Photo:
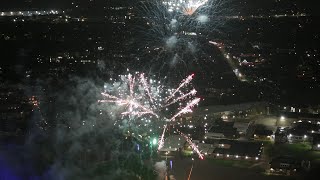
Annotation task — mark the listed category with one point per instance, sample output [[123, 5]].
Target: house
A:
[[242, 127], [205, 149], [222, 129], [281, 135], [262, 134], [304, 117], [239, 150], [302, 131], [297, 136], [284, 164], [316, 142], [224, 143]]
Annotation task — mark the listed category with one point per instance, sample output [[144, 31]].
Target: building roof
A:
[[263, 132], [242, 148], [297, 115], [225, 108], [283, 159]]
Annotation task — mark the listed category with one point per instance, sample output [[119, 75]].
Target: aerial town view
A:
[[159, 90]]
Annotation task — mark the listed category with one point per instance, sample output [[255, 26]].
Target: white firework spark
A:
[[193, 146], [143, 98], [187, 7], [183, 83], [187, 109], [161, 141]]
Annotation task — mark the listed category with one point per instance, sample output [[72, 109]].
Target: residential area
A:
[[249, 136]]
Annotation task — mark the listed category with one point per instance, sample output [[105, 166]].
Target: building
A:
[[206, 149], [14, 110], [227, 112], [222, 129], [302, 131], [297, 136], [261, 133], [238, 150], [296, 116], [284, 164], [316, 142], [281, 135]]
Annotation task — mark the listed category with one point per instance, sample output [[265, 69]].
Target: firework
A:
[[187, 7], [193, 146], [172, 31], [161, 141], [183, 83], [146, 102], [186, 109], [142, 96]]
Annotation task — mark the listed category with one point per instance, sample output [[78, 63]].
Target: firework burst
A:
[[145, 96], [187, 7], [146, 103], [172, 31]]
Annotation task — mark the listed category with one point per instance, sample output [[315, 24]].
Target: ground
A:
[[301, 151]]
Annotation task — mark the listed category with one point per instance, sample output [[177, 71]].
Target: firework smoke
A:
[[161, 169], [173, 30]]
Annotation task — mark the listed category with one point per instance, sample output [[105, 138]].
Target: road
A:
[[233, 63], [272, 122]]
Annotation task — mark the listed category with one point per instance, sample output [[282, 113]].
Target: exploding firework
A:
[[142, 96], [147, 105], [187, 7], [172, 30]]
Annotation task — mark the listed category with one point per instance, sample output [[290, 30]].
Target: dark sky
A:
[[6, 4]]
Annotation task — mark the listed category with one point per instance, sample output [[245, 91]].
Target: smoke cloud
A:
[[161, 169]]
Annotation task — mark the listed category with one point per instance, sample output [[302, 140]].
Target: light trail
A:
[[191, 93], [193, 146], [232, 64], [186, 109], [145, 85], [190, 171], [182, 84], [161, 141]]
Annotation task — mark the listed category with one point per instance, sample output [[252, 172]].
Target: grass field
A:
[[300, 151], [236, 163]]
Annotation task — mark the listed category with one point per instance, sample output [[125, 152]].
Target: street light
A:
[[154, 141], [282, 118]]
